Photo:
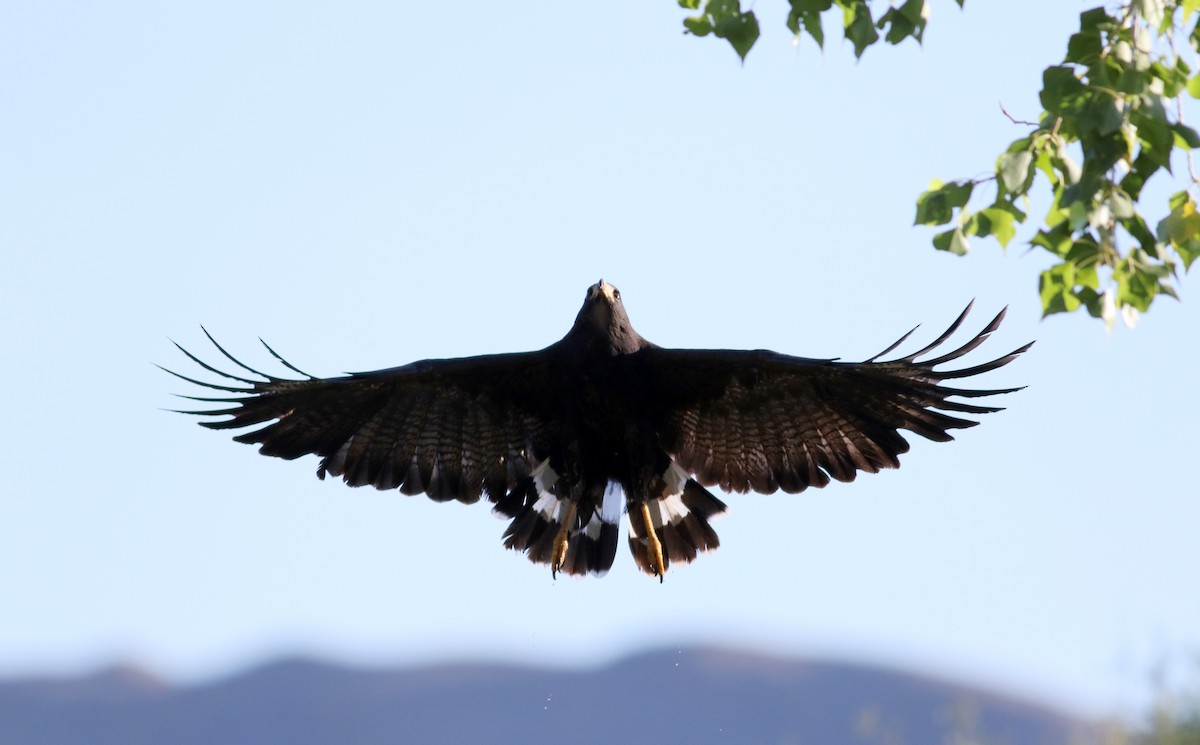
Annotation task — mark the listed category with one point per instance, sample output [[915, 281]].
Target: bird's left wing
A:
[[761, 421], [448, 428]]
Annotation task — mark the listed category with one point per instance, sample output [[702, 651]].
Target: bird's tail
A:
[[573, 535], [678, 510]]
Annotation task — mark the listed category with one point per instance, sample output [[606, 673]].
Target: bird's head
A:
[[603, 319]]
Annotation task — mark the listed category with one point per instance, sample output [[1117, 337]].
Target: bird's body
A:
[[565, 439]]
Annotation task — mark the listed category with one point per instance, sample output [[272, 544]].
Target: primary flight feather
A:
[[566, 439]]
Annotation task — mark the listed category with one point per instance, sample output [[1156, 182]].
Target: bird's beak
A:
[[607, 290]]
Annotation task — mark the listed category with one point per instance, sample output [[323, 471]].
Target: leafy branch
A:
[[725, 19], [1112, 118], [1115, 102]]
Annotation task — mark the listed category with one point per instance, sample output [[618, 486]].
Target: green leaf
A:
[[1093, 300], [1104, 113], [1174, 77], [1084, 256], [996, 222], [1141, 170], [1140, 279], [1056, 240], [1189, 252], [689, 4], [1059, 86], [740, 30], [898, 27], [1079, 214], [1014, 171], [953, 241], [1181, 228], [1136, 226], [1186, 138], [807, 13], [725, 20], [907, 20], [1084, 47], [1017, 213], [1057, 214], [1095, 20], [859, 28], [1155, 133], [936, 206], [1136, 288], [1056, 287], [1193, 87], [916, 11], [698, 25], [1121, 205]]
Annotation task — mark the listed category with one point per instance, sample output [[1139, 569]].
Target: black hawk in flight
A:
[[565, 439]]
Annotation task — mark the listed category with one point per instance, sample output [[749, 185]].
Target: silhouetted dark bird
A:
[[565, 439]]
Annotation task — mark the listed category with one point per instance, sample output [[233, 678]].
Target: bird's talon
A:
[[653, 545], [562, 542]]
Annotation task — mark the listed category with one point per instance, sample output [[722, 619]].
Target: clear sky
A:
[[369, 185]]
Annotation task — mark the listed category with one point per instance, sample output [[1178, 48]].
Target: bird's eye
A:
[[617, 294]]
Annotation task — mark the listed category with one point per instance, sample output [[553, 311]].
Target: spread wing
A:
[[762, 421], [448, 428]]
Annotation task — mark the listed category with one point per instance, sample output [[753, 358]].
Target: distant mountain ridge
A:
[[691, 695]]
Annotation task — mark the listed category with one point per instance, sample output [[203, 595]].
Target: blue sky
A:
[[367, 186]]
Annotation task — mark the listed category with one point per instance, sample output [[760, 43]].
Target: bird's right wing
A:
[[449, 428], [761, 421]]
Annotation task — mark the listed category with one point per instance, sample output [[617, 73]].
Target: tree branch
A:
[[1014, 120]]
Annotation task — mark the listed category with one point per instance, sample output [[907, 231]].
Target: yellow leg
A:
[[560, 540], [653, 545]]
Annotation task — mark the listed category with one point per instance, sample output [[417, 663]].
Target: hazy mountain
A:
[[693, 696]]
